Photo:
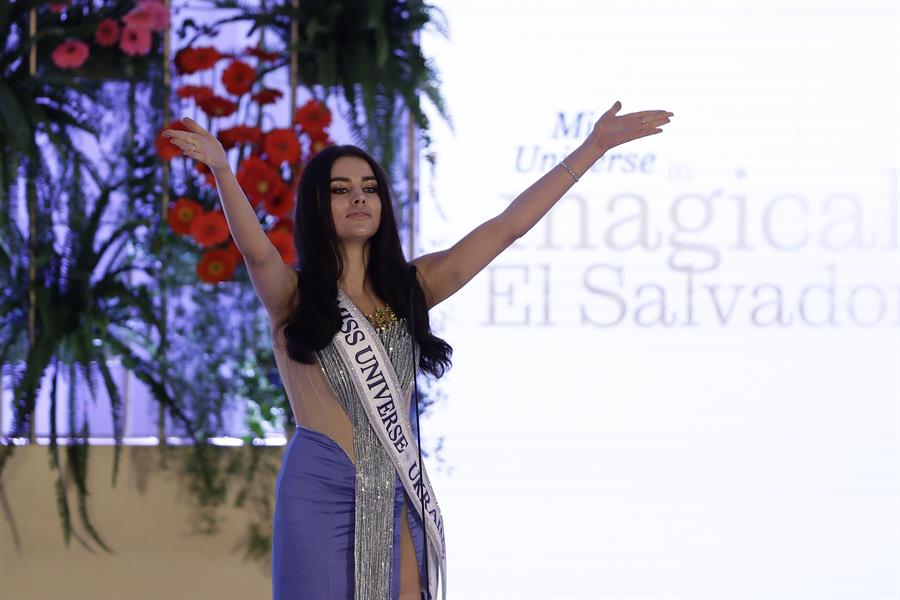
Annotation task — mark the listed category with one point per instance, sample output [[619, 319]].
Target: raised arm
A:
[[443, 273], [274, 281]]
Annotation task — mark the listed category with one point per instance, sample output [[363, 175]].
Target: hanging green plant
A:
[[66, 302], [367, 51]]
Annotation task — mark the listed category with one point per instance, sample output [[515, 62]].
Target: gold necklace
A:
[[382, 318]]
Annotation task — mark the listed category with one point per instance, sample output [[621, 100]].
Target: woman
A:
[[351, 494]]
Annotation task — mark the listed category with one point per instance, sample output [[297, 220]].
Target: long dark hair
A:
[[315, 320]]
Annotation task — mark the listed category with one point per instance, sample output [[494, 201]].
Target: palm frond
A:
[[115, 407], [62, 499], [77, 454]]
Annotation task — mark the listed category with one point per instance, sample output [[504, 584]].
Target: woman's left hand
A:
[[612, 130]]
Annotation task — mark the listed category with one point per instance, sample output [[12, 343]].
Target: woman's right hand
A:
[[199, 144]]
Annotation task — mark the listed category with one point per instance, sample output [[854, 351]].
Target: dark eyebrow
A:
[[366, 178]]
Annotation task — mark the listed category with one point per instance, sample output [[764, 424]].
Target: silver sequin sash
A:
[[381, 395], [375, 474]]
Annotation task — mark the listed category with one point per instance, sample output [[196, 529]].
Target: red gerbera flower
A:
[[191, 60], [107, 32], [215, 266], [139, 18], [313, 116], [182, 214], [197, 92], [319, 136], [71, 54], [238, 78], [216, 106], [266, 96], [210, 228], [135, 42], [262, 54], [284, 243], [281, 145], [282, 201], [233, 253], [239, 134], [164, 147], [258, 179], [151, 15], [318, 142]]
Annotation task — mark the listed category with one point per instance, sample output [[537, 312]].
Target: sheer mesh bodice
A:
[[312, 396]]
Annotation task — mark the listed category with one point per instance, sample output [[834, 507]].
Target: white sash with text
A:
[[379, 390]]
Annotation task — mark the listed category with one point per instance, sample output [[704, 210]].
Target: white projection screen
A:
[[683, 382]]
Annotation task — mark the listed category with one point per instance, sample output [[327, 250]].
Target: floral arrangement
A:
[[90, 56], [133, 33], [230, 91]]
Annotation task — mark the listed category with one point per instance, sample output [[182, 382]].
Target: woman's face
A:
[[355, 204]]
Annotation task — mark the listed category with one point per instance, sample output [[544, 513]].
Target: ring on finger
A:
[[193, 147]]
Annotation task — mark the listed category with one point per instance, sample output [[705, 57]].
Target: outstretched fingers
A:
[[654, 119], [650, 114], [194, 134], [182, 139], [194, 126], [612, 130], [646, 132]]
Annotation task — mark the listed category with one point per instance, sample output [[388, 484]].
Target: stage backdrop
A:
[[683, 382]]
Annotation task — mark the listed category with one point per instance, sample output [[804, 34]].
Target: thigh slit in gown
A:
[[314, 529]]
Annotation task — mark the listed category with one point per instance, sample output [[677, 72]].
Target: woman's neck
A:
[[353, 277]]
